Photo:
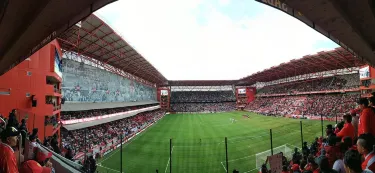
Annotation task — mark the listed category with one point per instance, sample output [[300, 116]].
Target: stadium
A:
[[77, 97]]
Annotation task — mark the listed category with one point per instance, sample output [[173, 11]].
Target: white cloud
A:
[[184, 44]]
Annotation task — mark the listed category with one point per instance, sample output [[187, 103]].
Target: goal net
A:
[[262, 157]]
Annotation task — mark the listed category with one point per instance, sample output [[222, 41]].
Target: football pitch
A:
[[198, 143]]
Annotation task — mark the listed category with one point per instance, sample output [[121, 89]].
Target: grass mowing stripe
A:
[[198, 142]]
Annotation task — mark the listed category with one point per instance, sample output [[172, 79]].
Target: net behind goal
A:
[[262, 157]]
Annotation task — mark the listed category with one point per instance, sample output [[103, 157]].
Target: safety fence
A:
[[244, 153]]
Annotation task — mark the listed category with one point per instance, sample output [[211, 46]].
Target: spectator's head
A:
[[304, 143], [372, 101], [348, 141], [347, 118], [14, 111], [323, 163], [353, 112], [365, 143], [332, 140], [32, 166], [329, 129], [340, 125], [10, 136], [42, 157], [296, 150], [285, 168], [352, 162], [363, 103]]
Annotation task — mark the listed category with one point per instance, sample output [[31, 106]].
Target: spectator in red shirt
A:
[[365, 145], [9, 138], [32, 166], [366, 119], [348, 129]]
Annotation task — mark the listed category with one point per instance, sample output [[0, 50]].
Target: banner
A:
[[242, 91], [164, 92], [106, 116], [364, 72]]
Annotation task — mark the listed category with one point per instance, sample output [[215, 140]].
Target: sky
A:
[[211, 39]]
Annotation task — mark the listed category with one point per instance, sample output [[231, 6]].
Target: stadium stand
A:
[[100, 138], [321, 84], [203, 107], [203, 101]]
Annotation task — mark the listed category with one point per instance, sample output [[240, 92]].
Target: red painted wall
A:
[[250, 92], [18, 83]]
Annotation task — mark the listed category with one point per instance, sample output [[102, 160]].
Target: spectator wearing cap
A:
[[366, 119], [365, 145], [352, 162], [8, 161], [348, 129], [43, 158], [31, 166]]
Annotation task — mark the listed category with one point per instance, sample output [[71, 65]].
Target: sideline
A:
[[133, 139]]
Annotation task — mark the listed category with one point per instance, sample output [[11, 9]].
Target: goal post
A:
[[262, 156]]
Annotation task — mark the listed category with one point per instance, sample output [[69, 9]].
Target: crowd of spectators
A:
[[202, 96], [310, 105], [349, 81], [203, 107], [85, 139], [71, 115], [86, 83], [347, 147], [22, 156]]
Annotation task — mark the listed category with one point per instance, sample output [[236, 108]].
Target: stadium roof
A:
[[335, 59], [201, 82], [351, 24], [95, 39], [26, 25]]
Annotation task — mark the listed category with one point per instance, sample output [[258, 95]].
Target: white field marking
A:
[[126, 144], [166, 168], [107, 168], [240, 158], [251, 170], [225, 169]]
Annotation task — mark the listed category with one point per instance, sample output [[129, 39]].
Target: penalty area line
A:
[[225, 169], [107, 168], [169, 159]]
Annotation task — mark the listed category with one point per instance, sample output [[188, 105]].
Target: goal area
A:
[[262, 157]]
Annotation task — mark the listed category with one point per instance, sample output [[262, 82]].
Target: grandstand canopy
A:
[[26, 26], [95, 39], [335, 59], [201, 82], [351, 24]]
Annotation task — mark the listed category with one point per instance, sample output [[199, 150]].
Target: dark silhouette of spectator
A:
[[12, 119], [352, 162], [365, 144]]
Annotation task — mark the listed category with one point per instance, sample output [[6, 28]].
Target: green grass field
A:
[[198, 143]]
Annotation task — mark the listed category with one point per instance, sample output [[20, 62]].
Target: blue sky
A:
[[211, 40]]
